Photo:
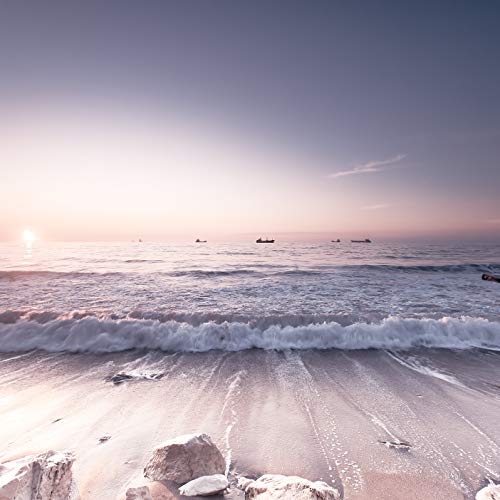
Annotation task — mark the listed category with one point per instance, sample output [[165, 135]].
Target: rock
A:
[[121, 377], [46, 476], [490, 492], [185, 458], [398, 445], [205, 485], [243, 482], [272, 486], [141, 493], [152, 490]]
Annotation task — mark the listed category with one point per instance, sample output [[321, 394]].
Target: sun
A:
[[28, 236]]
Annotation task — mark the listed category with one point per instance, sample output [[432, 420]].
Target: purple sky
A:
[[178, 118]]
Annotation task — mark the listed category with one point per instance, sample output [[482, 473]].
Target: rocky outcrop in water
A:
[[47, 476], [205, 485], [185, 458], [275, 486], [121, 377], [490, 492]]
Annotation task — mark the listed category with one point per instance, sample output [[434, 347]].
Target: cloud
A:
[[493, 221], [376, 207], [368, 168]]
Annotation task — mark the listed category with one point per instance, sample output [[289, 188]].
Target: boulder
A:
[[46, 476], [275, 486], [490, 492], [205, 485], [141, 493], [185, 458], [243, 482]]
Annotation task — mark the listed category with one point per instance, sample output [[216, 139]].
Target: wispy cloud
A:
[[369, 167], [493, 221], [376, 207]]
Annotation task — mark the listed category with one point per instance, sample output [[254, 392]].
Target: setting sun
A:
[[28, 236]]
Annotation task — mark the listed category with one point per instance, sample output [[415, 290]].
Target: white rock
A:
[[141, 493], [15, 479], [243, 482], [490, 492], [205, 485], [46, 476], [275, 486], [185, 458]]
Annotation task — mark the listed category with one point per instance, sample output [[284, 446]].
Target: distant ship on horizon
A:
[[260, 240], [366, 240], [200, 241], [336, 241]]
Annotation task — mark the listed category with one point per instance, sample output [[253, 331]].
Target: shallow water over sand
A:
[[331, 415]]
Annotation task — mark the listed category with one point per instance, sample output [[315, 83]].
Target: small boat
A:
[[260, 240], [336, 241], [139, 240], [200, 241], [366, 240]]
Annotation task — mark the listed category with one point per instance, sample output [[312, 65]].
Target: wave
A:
[[445, 268], [194, 319], [140, 261], [95, 335], [27, 273], [203, 273], [195, 273], [298, 272], [213, 273]]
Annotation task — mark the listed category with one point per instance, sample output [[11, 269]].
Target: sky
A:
[[171, 120]]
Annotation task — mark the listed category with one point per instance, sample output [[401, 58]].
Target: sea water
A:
[[105, 297]]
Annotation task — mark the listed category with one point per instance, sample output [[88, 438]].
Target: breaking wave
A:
[[81, 333]]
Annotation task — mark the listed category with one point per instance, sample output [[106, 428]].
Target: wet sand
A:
[[323, 415]]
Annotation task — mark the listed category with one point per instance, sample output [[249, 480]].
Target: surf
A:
[[103, 335]]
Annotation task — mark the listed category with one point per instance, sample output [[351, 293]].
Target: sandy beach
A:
[[250, 250], [323, 415]]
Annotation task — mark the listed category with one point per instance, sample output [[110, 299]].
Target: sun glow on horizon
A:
[[28, 236]]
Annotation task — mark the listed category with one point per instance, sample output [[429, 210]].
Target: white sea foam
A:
[[91, 334]]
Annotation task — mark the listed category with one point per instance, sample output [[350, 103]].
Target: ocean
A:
[[197, 297], [372, 367]]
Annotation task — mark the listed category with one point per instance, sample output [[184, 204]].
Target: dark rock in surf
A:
[[398, 445], [118, 378], [121, 377]]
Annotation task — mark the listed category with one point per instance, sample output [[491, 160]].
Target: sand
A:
[[336, 416]]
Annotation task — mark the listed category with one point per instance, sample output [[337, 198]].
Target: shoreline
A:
[[323, 415]]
